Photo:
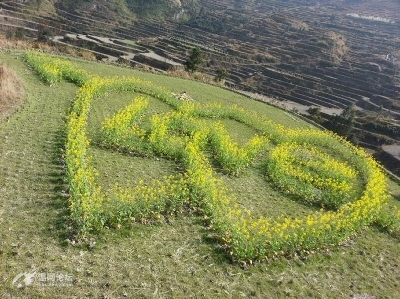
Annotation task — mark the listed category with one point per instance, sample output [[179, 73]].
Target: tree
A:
[[348, 112], [9, 34], [221, 74], [348, 115], [44, 34], [19, 33], [315, 114], [195, 60]]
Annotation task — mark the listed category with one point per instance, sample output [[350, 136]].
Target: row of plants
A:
[[180, 136], [123, 129], [169, 133], [318, 230], [312, 175], [183, 135], [233, 158], [298, 168], [147, 201], [56, 69], [87, 198]]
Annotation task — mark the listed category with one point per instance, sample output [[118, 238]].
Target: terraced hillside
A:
[[332, 54]]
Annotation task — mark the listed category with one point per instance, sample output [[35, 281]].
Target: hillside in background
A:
[[337, 62], [121, 11]]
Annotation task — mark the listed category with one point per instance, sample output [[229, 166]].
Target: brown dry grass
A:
[[8, 44], [11, 92]]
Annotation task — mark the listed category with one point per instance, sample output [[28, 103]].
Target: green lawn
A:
[[178, 258]]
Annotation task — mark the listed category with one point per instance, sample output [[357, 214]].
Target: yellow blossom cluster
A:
[[312, 175], [233, 158], [123, 127], [53, 70], [301, 162]]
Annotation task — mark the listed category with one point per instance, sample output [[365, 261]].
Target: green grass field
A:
[[175, 258]]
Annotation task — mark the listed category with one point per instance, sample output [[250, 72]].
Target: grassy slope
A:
[[178, 259]]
